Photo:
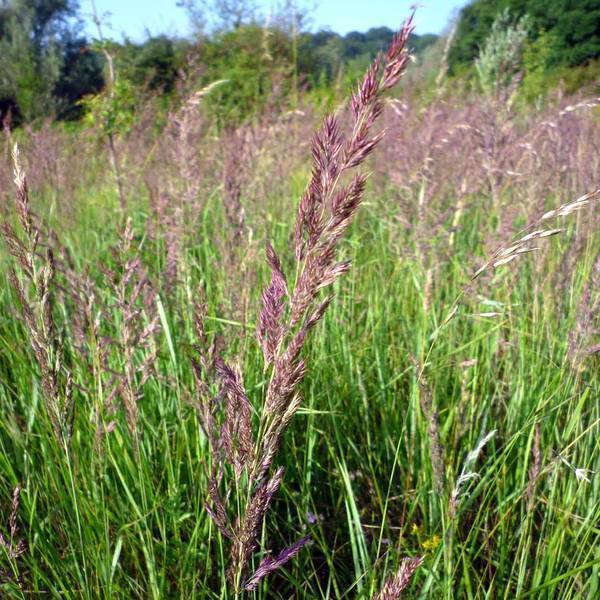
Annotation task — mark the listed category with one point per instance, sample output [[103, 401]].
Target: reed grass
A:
[[446, 443]]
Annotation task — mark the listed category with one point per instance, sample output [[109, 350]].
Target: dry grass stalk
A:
[[288, 314], [134, 299], [166, 226], [436, 450], [536, 231], [581, 337], [234, 175], [440, 79], [35, 294], [186, 124], [13, 546], [178, 202]]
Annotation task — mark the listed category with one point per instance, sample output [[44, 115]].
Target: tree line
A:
[[49, 66]]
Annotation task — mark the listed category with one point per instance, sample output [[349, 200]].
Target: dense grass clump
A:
[[182, 418]]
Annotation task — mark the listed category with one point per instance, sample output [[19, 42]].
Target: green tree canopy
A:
[[45, 64], [572, 26]]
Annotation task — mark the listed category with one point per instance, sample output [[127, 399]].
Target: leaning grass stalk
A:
[[511, 251]]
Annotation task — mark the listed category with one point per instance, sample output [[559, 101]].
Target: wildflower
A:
[[432, 543]]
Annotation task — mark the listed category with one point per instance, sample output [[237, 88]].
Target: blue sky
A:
[[134, 17]]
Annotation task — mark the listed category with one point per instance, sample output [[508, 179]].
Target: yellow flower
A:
[[432, 543]]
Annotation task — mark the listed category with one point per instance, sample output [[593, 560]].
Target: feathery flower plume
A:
[[13, 546], [35, 294], [134, 298], [289, 312], [398, 582], [270, 564]]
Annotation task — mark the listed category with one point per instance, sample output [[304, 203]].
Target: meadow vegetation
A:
[[301, 343]]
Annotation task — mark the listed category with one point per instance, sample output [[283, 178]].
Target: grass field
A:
[[441, 417]]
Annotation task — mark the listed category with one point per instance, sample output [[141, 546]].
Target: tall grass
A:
[[449, 425]]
